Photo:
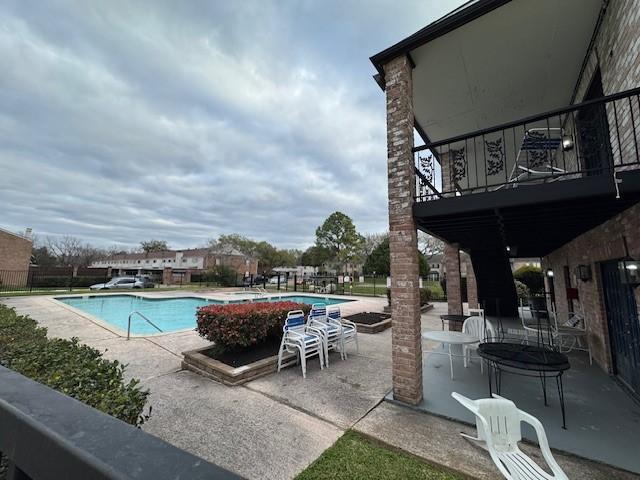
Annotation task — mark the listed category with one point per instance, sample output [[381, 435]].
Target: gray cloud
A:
[[122, 121]]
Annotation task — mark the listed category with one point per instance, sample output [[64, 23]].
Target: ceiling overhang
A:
[[495, 61]]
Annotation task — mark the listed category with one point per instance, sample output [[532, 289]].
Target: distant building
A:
[[180, 261], [15, 251]]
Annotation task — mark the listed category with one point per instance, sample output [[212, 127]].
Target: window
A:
[[217, 261]]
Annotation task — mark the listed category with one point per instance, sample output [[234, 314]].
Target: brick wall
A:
[[403, 242], [454, 280], [616, 51], [603, 243], [15, 252]]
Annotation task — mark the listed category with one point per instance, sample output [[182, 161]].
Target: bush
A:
[[532, 277], [72, 368], [522, 290], [241, 325]]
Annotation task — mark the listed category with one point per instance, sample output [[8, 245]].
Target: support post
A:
[[454, 280], [403, 243]]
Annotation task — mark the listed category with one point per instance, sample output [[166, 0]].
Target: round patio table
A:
[[453, 319], [449, 338], [525, 360]]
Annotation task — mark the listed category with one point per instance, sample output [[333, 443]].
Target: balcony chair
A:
[[349, 329], [301, 339], [480, 328], [330, 330], [534, 161], [498, 426]]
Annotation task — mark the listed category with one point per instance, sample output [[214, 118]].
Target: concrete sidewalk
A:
[[271, 428]]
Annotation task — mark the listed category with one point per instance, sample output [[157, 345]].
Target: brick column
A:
[[167, 276], [403, 241], [472, 285], [454, 281]]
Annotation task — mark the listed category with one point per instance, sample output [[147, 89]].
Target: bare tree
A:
[[71, 251], [372, 240], [429, 246]]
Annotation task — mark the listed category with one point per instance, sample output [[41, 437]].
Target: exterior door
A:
[[593, 132], [624, 326]]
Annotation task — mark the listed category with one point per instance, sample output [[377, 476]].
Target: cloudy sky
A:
[[182, 120]]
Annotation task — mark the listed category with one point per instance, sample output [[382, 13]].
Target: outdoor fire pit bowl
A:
[[370, 322]]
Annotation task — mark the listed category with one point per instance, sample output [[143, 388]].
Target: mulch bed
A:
[[368, 318], [238, 358]]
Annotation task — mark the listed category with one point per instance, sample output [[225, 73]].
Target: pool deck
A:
[[275, 426]]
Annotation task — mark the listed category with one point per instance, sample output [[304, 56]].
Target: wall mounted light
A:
[[629, 268], [567, 142], [549, 273]]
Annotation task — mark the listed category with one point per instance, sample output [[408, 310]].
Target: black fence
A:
[[38, 279], [47, 435], [596, 137], [357, 285]]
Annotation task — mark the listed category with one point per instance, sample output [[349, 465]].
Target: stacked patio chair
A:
[[330, 330], [302, 339], [498, 425], [349, 329], [481, 329]]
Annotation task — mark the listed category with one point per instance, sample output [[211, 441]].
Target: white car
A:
[[122, 282]]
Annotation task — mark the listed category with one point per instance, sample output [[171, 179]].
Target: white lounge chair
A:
[[330, 330], [498, 425], [481, 329], [349, 329], [301, 339]]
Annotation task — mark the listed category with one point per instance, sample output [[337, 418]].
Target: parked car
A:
[[117, 283], [274, 280]]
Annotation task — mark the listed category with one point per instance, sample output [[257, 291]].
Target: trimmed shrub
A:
[[522, 290], [241, 325], [532, 277], [72, 368]]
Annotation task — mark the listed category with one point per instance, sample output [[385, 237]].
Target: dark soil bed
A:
[[368, 318], [238, 358]]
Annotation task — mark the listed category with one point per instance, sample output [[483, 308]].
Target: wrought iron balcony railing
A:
[[596, 137]]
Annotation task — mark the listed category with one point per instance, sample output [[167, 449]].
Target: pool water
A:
[[169, 314]]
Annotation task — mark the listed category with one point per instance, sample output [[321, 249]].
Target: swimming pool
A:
[[169, 314]]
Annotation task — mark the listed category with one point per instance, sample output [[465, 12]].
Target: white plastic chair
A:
[[331, 331], [481, 329], [349, 329], [498, 425], [300, 339]]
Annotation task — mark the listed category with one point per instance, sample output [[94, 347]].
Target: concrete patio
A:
[[253, 429]]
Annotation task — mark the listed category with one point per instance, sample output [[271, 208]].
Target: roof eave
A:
[[434, 30]]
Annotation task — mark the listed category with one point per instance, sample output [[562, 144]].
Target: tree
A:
[[532, 277], [339, 236], [429, 246], [154, 246], [41, 257], [267, 255], [380, 261], [71, 252], [315, 256], [372, 240]]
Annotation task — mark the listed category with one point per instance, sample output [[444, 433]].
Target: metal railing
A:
[[47, 435], [596, 137], [135, 312]]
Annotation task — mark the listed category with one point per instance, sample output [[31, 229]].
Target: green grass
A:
[[354, 457]]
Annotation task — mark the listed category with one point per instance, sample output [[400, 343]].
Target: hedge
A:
[[70, 367], [241, 325]]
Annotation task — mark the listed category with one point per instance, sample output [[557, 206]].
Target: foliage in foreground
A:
[[72, 368], [354, 457], [532, 277], [241, 325]]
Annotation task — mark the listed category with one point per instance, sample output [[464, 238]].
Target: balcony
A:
[[561, 173]]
